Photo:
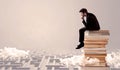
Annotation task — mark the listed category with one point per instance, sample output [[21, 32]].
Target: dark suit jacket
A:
[[91, 22]]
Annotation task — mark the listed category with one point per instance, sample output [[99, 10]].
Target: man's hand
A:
[[82, 17]]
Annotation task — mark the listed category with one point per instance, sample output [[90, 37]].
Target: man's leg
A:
[[81, 37], [81, 34]]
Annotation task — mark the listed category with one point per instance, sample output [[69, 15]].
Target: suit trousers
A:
[[81, 34]]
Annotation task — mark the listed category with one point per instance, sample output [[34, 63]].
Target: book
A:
[[98, 32], [93, 40], [92, 49], [95, 43], [95, 55], [95, 52], [97, 38], [97, 64], [94, 46]]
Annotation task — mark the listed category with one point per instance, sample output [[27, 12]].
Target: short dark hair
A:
[[83, 10]]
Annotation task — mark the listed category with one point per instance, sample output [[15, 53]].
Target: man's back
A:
[[92, 22]]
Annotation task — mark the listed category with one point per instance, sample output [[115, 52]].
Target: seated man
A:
[[90, 22]]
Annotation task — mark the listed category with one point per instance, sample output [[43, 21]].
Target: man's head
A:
[[83, 12]]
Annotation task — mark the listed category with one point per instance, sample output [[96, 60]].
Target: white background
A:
[[53, 25]]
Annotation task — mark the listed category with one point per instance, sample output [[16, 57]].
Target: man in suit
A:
[[90, 23]]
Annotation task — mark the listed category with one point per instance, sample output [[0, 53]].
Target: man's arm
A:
[[85, 24]]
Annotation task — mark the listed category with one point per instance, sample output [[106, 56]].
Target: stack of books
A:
[[95, 46]]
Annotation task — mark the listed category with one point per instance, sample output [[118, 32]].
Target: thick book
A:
[[97, 64], [95, 43], [102, 38], [96, 55], [93, 40], [98, 32], [94, 46]]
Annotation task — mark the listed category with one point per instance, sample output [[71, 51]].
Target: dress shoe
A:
[[80, 46]]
